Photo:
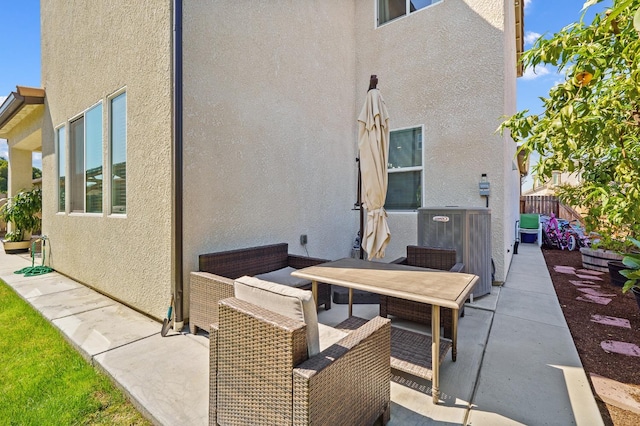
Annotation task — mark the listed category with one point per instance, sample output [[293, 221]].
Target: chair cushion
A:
[[288, 301], [329, 336], [530, 221], [283, 276]]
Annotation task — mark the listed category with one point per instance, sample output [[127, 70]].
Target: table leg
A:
[[435, 352], [454, 337], [350, 302], [314, 291]]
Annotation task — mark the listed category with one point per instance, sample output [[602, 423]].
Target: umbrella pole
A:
[[361, 254]]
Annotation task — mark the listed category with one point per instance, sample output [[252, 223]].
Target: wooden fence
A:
[[547, 204]]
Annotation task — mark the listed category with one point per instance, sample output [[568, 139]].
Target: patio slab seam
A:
[[471, 404], [27, 298], [560, 326], [120, 346], [74, 313]]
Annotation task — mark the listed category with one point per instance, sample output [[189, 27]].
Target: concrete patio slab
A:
[[44, 284], [414, 404], [517, 363], [531, 374], [530, 305], [65, 303], [98, 330], [529, 282], [170, 383]]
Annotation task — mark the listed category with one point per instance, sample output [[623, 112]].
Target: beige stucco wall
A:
[[271, 97], [89, 51], [270, 114], [456, 80]]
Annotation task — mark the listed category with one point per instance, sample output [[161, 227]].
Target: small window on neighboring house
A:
[[118, 150], [556, 179], [62, 164], [389, 10], [404, 191], [85, 143]]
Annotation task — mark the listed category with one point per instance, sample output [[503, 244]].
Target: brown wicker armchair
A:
[[262, 373], [424, 257], [214, 280]]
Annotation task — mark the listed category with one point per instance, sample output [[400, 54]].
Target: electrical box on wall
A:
[[485, 190]]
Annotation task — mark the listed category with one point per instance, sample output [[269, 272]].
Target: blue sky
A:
[[20, 47], [19, 51]]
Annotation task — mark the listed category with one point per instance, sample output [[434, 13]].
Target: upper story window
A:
[[404, 191], [389, 10], [556, 179]]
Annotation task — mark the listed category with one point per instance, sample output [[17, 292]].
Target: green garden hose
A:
[[32, 271]]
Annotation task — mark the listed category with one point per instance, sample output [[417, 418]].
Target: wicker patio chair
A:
[[261, 371], [214, 280], [424, 257]]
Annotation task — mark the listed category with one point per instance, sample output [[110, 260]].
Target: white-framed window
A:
[[61, 154], [388, 10], [556, 178], [85, 160], [118, 152], [404, 191]]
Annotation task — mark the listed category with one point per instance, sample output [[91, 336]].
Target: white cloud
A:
[[530, 37], [2, 98], [527, 3], [533, 73]]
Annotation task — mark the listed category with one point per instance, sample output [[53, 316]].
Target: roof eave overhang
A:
[[15, 102]]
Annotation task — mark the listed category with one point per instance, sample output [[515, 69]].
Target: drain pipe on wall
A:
[[177, 177]]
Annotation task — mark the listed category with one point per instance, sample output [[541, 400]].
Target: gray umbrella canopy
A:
[[373, 146]]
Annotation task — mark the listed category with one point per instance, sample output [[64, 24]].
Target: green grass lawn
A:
[[44, 381]]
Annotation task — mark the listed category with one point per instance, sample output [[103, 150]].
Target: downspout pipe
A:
[[177, 126]]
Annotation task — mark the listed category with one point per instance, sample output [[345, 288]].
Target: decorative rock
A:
[[594, 299], [613, 321], [587, 277], [589, 271], [594, 292], [623, 348], [584, 284]]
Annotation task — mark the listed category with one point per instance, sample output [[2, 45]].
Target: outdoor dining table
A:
[[437, 288]]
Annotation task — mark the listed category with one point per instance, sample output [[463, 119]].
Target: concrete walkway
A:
[[517, 363]]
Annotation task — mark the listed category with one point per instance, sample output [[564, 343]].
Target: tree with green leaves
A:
[[591, 122]]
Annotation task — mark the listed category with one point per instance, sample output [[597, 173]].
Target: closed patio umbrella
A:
[[373, 147]]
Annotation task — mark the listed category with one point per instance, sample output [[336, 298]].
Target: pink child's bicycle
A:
[[558, 234]]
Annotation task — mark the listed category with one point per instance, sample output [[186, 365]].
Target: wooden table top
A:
[[442, 288]]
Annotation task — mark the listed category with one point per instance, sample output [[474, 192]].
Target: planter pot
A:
[[598, 259], [615, 266], [636, 293], [11, 247]]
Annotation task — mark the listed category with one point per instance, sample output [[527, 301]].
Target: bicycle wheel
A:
[[571, 243]]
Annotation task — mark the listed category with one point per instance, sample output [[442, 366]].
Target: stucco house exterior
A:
[[172, 128], [548, 187]]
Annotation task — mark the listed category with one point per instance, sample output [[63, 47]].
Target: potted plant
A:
[[632, 262], [22, 211], [602, 253]]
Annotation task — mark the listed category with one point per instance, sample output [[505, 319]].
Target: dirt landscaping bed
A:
[[595, 312]]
